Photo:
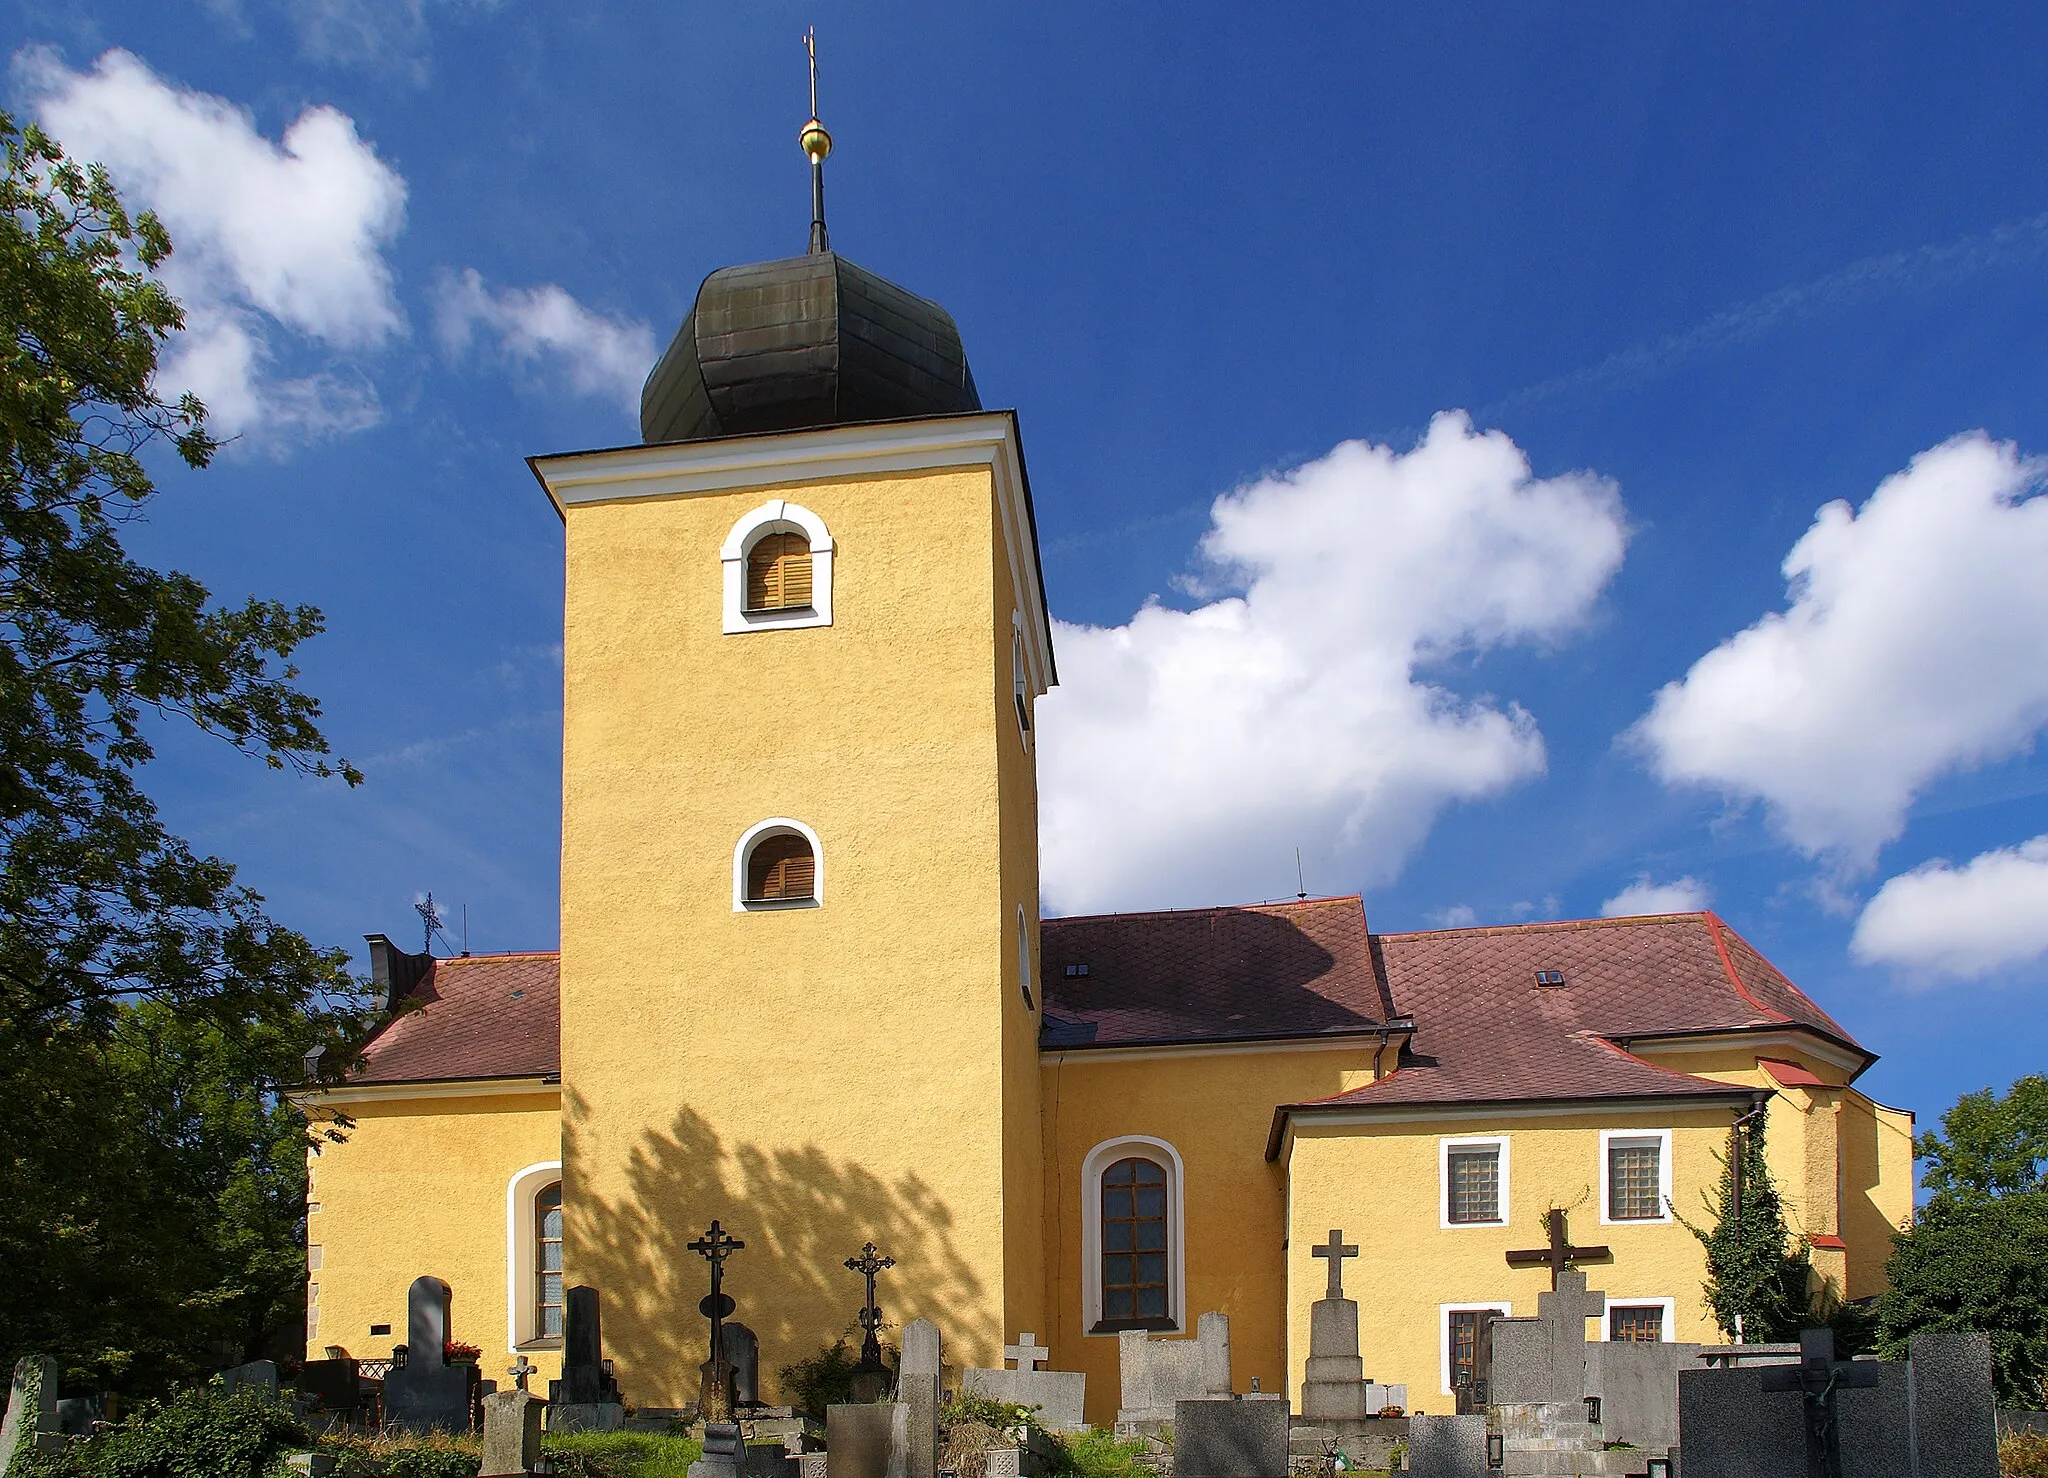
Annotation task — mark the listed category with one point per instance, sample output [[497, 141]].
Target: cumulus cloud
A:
[[1457, 916], [277, 243], [535, 326], [1959, 922], [1681, 895], [1911, 648], [1186, 753]]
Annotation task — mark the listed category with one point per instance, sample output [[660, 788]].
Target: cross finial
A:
[[1027, 1352], [816, 144], [1336, 1250]]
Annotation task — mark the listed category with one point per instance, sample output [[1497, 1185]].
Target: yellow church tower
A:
[[804, 631]]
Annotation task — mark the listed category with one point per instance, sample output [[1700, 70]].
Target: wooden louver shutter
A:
[[782, 867], [779, 573]]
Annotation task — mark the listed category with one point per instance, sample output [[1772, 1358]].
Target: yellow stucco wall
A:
[[812, 1077], [419, 1187], [1380, 1182], [1215, 1108]]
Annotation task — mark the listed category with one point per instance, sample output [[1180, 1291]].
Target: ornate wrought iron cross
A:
[[715, 1246], [1560, 1254], [1817, 1377], [1336, 1250], [869, 1263]]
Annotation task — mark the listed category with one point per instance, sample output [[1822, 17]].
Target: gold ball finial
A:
[[815, 141]]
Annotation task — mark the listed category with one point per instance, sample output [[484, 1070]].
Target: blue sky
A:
[[1693, 272]]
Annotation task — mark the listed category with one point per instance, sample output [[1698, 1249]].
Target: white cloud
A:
[[1681, 895], [1912, 648], [1942, 920], [607, 357], [1186, 753], [1457, 916], [287, 235]]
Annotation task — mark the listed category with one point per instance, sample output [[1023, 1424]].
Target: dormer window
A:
[[779, 574]]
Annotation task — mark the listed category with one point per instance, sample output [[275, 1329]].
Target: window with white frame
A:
[[777, 864], [1131, 1236], [777, 569], [1635, 1176], [1640, 1320], [1463, 1334], [1020, 680], [547, 1243], [1024, 958], [533, 1257], [1474, 1176]]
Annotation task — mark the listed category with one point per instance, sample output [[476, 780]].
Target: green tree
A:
[[1989, 1145], [149, 1009], [1755, 1271]]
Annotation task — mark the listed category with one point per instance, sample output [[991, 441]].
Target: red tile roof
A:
[[481, 1016], [1210, 975]]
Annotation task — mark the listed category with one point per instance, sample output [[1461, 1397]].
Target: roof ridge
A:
[[1621, 1051], [1188, 913], [1535, 926], [510, 954], [1714, 928]]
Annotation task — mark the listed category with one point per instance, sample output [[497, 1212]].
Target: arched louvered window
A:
[[779, 573], [781, 869], [547, 1261], [1134, 1281]]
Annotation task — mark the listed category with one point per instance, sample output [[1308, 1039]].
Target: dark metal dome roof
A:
[[806, 341]]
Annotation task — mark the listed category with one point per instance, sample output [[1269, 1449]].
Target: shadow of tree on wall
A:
[[801, 1213]]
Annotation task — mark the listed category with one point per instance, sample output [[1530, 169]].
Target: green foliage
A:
[[151, 1174], [1754, 1269], [1989, 1145], [196, 1434], [826, 1378], [2023, 1455], [1978, 1263], [1097, 1453], [623, 1454], [1000, 1416]]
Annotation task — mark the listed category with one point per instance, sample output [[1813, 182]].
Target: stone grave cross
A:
[[1817, 1377], [715, 1246], [1027, 1352], [870, 1262], [1336, 1250], [1560, 1254], [522, 1372]]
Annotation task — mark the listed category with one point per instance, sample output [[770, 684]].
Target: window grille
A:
[[547, 1262], [781, 867], [779, 573], [1634, 1182], [1134, 1244], [1636, 1323], [1475, 1184]]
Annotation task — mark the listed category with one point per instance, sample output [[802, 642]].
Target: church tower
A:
[[804, 631]]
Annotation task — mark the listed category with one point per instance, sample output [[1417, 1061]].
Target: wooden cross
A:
[[1560, 1254], [1027, 1352], [1336, 1250], [1817, 1377]]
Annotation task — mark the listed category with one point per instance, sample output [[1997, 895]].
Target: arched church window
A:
[[547, 1246], [782, 869], [779, 573], [1134, 1282]]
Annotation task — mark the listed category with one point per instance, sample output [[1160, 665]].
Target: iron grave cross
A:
[[1817, 1377], [1560, 1254], [715, 1246], [1336, 1250], [869, 1263]]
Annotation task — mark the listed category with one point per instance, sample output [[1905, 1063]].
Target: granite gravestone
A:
[[1230, 1439], [868, 1440], [1544, 1358], [585, 1399], [1157, 1374], [259, 1376], [426, 1393], [743, 1358], [1448, 1447], [31, 1421], [917, 1387], [1333, 1388], [1757, 1421], [725, 1452], [1953, 1405], [1058, 1394], [511, 1434]]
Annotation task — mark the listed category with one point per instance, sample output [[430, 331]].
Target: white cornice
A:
[[1800, 1038], [347, 1093], [1365, 1042], [686, 469], [1312, 1117]]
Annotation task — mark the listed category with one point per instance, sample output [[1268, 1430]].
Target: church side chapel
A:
[[804, 637]]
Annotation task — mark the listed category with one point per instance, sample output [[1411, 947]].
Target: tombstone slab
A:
[[725, 1452], [31, 1421], [743, 1355], [1230, 1439], [427, 1394], [917, 1387], [1059, 1395], [869, 1440], [1448, 1447], [259, 1376], [1157, 1374], [1954, 1405], [511, 1434], [587, 1416], [1544, 1358]]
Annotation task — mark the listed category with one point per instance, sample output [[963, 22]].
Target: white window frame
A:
[[761, 831], [1099, 1159], [522, 1252], [1020, 679], [776, 516], [1668, 1305], [1503, 1307], [1443, 1180], [1024, 972], [1662, 1139]]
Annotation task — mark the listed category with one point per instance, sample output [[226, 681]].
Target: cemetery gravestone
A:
[[76, 1414], [1448, 1447], [31, 1421], [1544, 1358], [725, 1452], [1954, 1405], [1157, 1374], [428, 1394], [743, 1356], [1334, 1388], [868, 1440], [585, 1399], [917, 1387], [1059, 1394], [259, 1376], [511, 1434], [1765, 1421], [1230, 1439]]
